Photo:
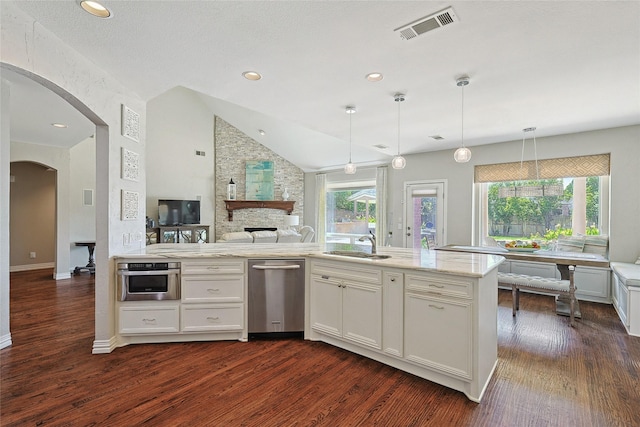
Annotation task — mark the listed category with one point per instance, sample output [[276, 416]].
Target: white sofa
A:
[[265, 236]]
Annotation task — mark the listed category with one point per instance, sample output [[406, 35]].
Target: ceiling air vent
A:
[[428, 23], [381, 146]]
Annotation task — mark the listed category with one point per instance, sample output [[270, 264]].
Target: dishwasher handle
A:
[[276, 267]]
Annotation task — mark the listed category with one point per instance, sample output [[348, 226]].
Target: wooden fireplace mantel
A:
[[233, 205]]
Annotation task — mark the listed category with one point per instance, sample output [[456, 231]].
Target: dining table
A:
[[562, 259]]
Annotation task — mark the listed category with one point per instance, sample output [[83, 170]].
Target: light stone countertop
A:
[[457, 263]]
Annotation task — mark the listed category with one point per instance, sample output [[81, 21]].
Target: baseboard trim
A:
[[29, 267], [62, 276], [5, 341], [104, 346]]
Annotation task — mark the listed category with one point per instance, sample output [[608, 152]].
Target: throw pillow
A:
[[570, 243]]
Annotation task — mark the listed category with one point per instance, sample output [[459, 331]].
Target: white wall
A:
[[179, 124], [5, 103], [31, 50], [82, 219], [623, 144]]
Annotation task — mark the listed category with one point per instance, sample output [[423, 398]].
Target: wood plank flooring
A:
[[548, 374]]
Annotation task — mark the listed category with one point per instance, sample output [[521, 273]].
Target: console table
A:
[[178, 234]]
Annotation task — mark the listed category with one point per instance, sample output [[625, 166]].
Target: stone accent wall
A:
[[232, 149]]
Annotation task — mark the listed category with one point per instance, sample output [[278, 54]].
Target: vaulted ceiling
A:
[[561, 66]]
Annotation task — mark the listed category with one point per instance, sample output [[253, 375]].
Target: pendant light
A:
[[398, 161], [350, 168], [462, 154]]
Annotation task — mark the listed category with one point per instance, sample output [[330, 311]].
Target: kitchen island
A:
[[430, 313]]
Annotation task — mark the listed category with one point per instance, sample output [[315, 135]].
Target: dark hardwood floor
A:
[[548, 374]]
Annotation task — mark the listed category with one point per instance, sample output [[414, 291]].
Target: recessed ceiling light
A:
[[261, 132], [251, 75], [374, 77], [436, 137], [95, 8], [59, 125]]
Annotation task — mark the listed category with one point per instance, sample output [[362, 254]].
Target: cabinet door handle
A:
[[439, 307], [393, 279], [213, 291]]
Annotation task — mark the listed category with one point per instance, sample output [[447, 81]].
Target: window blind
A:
[[581, 166]]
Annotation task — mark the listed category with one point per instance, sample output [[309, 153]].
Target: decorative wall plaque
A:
[[130, 204], [130, 165], [130, 123]]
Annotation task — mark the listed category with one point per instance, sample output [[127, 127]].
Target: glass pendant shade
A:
[[398, 162], [350, 168], [462, 155]]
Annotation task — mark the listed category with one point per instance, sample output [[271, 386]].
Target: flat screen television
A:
[[178, 212]]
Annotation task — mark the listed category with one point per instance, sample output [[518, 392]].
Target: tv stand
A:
[[196, 233]]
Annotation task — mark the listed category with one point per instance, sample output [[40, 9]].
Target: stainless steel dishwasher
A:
[[276, 297]]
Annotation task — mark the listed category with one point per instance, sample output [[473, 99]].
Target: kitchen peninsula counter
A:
[[430, 313], [459, 263]]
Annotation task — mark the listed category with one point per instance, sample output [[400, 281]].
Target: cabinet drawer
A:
[[212, 288], [147, 319], [215, 266], [439, 286], [349, 271], [222, 317]]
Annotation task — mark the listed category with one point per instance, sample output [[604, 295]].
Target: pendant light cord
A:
[[399, 100], [462, 121], [350, 114], [535, 152]]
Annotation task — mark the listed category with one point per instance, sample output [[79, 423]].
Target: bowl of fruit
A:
[[521, 246]]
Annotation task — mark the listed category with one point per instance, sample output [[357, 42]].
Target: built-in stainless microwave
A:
[[139, 281]]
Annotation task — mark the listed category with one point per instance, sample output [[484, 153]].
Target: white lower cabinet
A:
[[393, 313], [345, 307], [148, 317], [429, 316], [213, 296]]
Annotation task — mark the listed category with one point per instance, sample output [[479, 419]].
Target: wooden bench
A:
[[542, 284]]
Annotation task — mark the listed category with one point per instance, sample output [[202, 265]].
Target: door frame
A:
[[440, 184]]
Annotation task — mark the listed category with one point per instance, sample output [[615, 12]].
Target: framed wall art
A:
[[259, 180], [130, 123]]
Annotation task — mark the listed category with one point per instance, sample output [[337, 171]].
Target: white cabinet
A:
[[346, 302], [393, 313], [148, 317], [442, 310], [213, 296]]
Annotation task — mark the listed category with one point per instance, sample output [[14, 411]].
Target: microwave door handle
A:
[[149, 272], [276, 267]]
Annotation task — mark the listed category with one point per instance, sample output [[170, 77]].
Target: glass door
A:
[[424, 214]]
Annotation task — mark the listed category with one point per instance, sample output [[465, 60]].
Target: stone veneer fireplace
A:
[[233, 148]]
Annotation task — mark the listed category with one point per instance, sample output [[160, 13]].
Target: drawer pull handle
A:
[[149, 320], [439, 307], [393, 279], [325, 277], [212, 268], [436, 286], [213, 318], [212, 291]]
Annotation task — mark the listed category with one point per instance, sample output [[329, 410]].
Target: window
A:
[[350, 211], [543, 209]]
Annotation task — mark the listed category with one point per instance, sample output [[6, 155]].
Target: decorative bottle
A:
[[285, 195]]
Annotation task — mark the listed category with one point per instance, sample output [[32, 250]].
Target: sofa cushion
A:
[[627, 272], [288, 236], [264, 236], [236, 237]]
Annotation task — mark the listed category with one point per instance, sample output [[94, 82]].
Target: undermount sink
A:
[[358, 254]]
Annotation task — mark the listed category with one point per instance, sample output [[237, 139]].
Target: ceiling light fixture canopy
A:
[[95, 8], [462, 154], [350, 168], [374, 77], [398, 161]]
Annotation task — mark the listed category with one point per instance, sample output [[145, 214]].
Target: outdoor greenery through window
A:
[[350, 214], [541, 210]]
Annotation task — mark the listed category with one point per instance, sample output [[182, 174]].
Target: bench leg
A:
[[515, 295]]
